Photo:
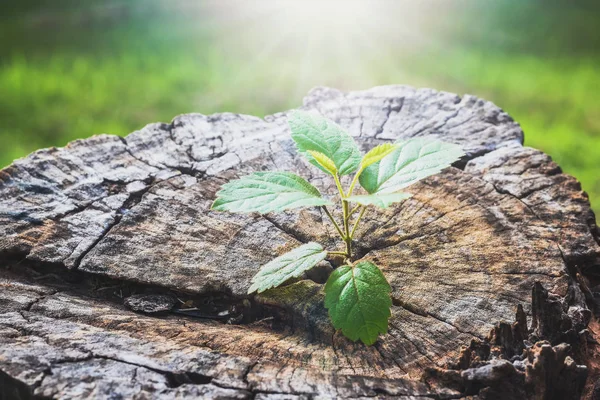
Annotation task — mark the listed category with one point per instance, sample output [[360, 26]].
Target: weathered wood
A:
[[483, 261]]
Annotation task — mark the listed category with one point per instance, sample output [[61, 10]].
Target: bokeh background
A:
[[74, 68]]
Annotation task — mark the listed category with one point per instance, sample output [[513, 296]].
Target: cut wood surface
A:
[[116, 278]]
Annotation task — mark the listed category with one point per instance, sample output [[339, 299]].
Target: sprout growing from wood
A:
[[357, 294]]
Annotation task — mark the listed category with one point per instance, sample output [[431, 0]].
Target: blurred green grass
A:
[[79, 70]]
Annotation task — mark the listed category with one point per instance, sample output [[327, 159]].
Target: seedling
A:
[[357, 294]]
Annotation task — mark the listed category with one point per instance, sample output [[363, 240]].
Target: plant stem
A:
[[337, 227], [347, 237], [339, 253], [354, 210], [339, 185], [354, 180], [362, 212]]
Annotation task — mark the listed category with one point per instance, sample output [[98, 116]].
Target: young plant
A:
[[357, 295]]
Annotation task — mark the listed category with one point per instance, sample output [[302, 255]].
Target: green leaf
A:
[[377, 153], [382, 200], [412, 161], [311, 131], [324, 161], [287, 266], [265, 192], [358, 300]]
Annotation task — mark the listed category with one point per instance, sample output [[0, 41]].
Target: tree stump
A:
[[117, 280]]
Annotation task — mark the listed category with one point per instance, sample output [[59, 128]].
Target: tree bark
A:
[[117, 279]]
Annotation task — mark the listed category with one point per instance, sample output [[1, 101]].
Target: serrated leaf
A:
[[377, 153], [412, 161], [287, 266], [358, 300], [265, 192], [381, 200], [314, 132], [324, 161]]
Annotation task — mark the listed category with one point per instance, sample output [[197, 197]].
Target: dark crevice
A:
[[75, 210], [275, 392], [409, 307], [128, 150], [42, 297], [218, 306], [113, 187], [19, 390], [392, 107], [133, 199], [189, 171], [569, 262], [575, 296], [370, 392], [362, 252], [185, 170], [188, 151], [378, 346], [424, 313], [14, 389], [247, 372], [520, 200], [464, 160], [174, 379], [107, 229], [291, 232], [22, 216]]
